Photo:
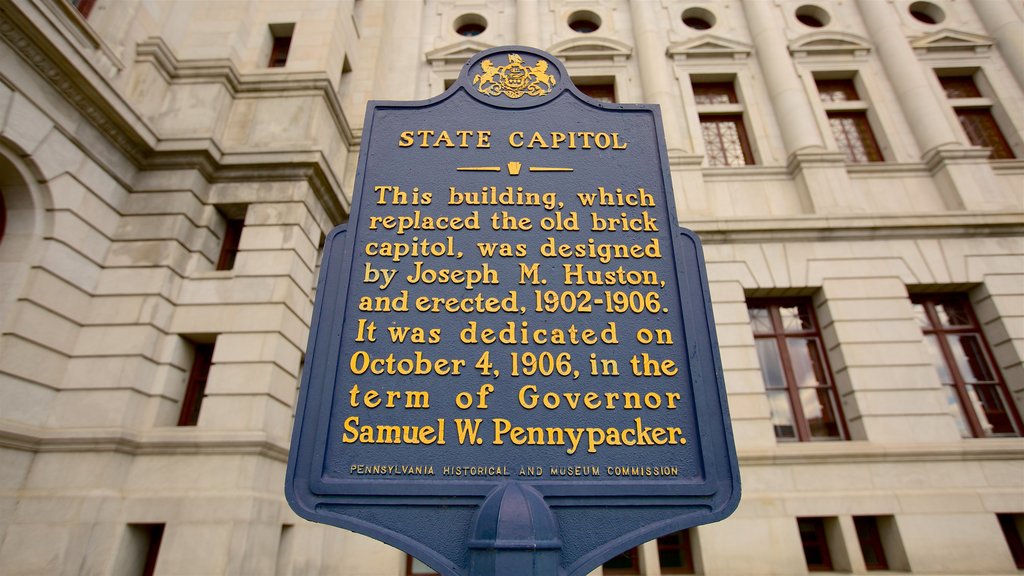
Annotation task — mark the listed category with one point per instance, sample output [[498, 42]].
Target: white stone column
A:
[[655, 73], [789, 100], [399, 51], [528, 23], [1005, 25], [925, 114], [819, 175], [962, 173]]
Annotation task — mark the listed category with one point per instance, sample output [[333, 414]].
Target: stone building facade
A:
[[169, 169]]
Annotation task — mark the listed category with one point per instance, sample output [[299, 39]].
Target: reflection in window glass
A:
[[801, 395], [975, 391]]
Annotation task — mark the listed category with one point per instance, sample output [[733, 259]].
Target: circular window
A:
[[698, 18], [584, 21], [470, 25], [812, 16], [927, 12]]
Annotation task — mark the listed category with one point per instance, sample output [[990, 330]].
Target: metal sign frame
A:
[[500, 522]]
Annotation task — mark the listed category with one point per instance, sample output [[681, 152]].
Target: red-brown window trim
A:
[[780, 335], [928, 301], [202, 360], [677, 544], [870, 538], [84, 7], [229, 245], [819, 542]]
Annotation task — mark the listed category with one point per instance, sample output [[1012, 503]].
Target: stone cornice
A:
[[201, 441], [64, 66], [805, 228], [860, 452], [24, 28], [156, 441], [267, 83]]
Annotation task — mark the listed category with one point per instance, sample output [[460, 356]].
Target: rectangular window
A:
[[195, 390], [721, 124], [974, 111], [870, 539], [975, 391], [626, 563], [848, 119], [597, 88], [815, 543], [284, 550], [229, 245], [281, 43], [140, 549], [801, 394], [414, 567], [675, 554], [1011, 525]]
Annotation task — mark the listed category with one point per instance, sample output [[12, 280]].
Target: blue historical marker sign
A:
[[512, 366]]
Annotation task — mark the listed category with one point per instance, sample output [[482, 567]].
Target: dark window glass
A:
[[602, 92], [714, 93], [837, 90], [854, 136], [799, 385], [148, 536], [870, 542], [978, 123], [1011, 531], [471, 29], [229, 246], [196, 388], [279, 52], [812, 536], [675, 554], [725, 140], [626, 563], [982, 130], [975, 391], [959, 87]]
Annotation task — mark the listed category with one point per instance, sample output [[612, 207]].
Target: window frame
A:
[[975, 105], [730, 112], [821, 542], [966, 405], [408, 567], [780, 335], [230, 243], [1010, 525], [195, 389], [855, 108], [684, 546], [281, 36], [869, 536]]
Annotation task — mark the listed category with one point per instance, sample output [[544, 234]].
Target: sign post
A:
[[512, 366]]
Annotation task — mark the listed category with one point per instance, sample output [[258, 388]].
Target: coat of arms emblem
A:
[[514, 79]]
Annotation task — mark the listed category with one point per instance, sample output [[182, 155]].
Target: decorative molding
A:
[[222, 71], [817, 228], [945, 41], [709, 46], [78, 91], [859, 452], [457, 53], [591, 49], [830, 44], [169, 440]]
